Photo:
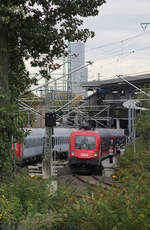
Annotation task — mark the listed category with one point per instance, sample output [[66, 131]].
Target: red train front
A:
[[84, 149]]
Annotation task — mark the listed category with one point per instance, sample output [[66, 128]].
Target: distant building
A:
[[80, 76]]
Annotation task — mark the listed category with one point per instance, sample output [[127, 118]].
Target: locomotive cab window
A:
[[85, 142]]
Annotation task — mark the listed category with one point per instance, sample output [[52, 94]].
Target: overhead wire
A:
[[71, 56], [124, 54], [136, 73], [119, 52], [118, 42], [133, 51], [53, 80]]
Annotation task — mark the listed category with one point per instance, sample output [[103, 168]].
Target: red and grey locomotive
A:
[[88, 148]]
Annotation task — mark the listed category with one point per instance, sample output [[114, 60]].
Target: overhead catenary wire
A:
[[75, 70], [21, 103], [118, 42], [71, 55], [24, 105], [129, 52], [125, 54], [128, 74], [134, 86], [121, 51], [137, 73], [122, 47]]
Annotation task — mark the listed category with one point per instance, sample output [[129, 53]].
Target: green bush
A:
[[121, 207], [22, 194], [124, 206]]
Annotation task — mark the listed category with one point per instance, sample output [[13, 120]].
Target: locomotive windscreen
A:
[[85, 142]]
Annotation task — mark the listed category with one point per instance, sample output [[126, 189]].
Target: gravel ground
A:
[[65, 176]]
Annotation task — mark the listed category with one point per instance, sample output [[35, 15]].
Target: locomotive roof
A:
[[104, 132], [64, 131]]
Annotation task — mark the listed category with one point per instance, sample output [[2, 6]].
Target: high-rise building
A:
[[80, 76]]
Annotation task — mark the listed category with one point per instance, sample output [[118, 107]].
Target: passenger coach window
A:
[[85, 142], [106, 141]]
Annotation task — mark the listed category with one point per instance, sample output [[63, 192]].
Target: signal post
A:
[[50, 122]]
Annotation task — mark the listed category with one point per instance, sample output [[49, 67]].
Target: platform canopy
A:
[[115, 83]]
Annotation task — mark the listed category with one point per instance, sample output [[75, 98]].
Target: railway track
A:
[[36, 169], [89, 180], [76, 180], [95, 180]]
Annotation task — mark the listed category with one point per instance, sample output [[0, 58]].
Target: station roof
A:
[[115, 83]]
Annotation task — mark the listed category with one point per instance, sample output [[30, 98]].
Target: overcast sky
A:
[[120, 45]]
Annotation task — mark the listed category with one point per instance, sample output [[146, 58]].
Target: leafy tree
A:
[[36, 29], [39, 29], [143, 119]]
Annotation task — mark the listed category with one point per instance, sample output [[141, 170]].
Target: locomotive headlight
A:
[[72, 153], [95, 154]]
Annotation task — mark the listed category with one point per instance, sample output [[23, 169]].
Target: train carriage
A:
[[86, 147], [33, 147], [60, 141]]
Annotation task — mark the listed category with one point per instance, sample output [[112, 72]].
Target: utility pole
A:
[[108, 118], [133, 128], [131, 123], [132, 113], [64, 74], [48, 151], [69, 83]]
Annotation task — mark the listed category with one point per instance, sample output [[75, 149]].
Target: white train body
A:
[[34, 144], [61, 142]]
